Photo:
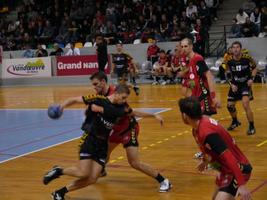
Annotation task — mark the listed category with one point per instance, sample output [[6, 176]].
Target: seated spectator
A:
[[73, 51], [40, 52], [255, 17], [249, 29], [241, 16], [58, 51], [160, 68], [264, 19], [191, 8], [28, 53], [152, 52], [235, 29], [248, 6]]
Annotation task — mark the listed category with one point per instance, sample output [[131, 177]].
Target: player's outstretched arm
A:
[[70, 101], [145, 114]]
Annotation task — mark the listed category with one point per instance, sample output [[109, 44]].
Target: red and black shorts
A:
[[126, 138], [227, 183]]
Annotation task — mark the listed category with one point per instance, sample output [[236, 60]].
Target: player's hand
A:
[[234, 88], [243, 192], [96, 108], [202, 166], [216, 103], [158, 117], [250, 82]]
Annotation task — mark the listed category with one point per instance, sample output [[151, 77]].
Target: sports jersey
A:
[[198, 83], [121, 60], [241, 69], [208, 126], [111, 90], [100, 124], [152, 50]]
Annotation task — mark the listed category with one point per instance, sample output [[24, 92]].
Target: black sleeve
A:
[[216, 143], [114, 111], [202, 67]]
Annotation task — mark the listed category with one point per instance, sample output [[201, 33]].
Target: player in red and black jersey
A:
[[160, 68], [242, 68], [94, 142], [178, 67], [125, 132], [153, 52], [122, 64], [200, 79], [220, 148]]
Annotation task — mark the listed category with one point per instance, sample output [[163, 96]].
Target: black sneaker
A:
[[251, 130], [57, 196], [136, 90], [103, 173], [234, 125], [54, 173]]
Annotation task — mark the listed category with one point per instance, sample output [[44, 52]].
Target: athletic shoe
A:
[[57, 196], [198, 155], [155, 83], [233, 125], [54, 173], [164, 83], [136, 90], [165, 186], [251, 130], [103, 173]]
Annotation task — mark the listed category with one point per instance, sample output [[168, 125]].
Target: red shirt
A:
[[152, 50], [209, 126]]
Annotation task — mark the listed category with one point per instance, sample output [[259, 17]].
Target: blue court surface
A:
[[24, 131]]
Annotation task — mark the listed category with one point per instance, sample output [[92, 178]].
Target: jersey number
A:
[[238, 68], [213, 121]]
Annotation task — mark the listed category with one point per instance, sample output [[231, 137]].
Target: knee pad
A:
[[231, 108]]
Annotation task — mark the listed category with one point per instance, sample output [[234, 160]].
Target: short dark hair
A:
[[238, 43], [122, 88], [99, 76], [191, 107], [189, 41]]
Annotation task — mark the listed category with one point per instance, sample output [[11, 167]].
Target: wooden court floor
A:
[[169, 149]]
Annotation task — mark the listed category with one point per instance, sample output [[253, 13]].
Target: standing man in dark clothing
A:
[[102, 52], [94, 142], [243, 70]]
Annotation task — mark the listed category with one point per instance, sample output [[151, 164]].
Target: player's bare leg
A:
[[233, 112], [249, 113], [134, 161]]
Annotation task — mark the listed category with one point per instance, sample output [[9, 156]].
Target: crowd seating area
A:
[[129, 21]]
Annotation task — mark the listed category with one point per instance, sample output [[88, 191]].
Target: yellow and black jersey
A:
[[241, 69], [121, 60], [100, 124], [228, 56]]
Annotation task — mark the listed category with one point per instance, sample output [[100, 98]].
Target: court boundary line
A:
[[57, 144]]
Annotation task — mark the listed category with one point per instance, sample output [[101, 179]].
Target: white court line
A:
[[164, 110]]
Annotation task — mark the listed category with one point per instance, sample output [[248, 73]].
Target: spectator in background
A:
[[241, 16], [213, 5], [73, 51], [58, 51], [255, 17], [249, 29], [190, 9], [235, 29], [248, 6], [40, 52], [201, 36], [28, 53], [264, 21], [102, 52]]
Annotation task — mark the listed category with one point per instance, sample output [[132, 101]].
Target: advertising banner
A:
[[78, 65], [26, 67]]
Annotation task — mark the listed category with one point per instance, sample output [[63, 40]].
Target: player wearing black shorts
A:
[[94, 142], [242, 68], [122, 64]]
